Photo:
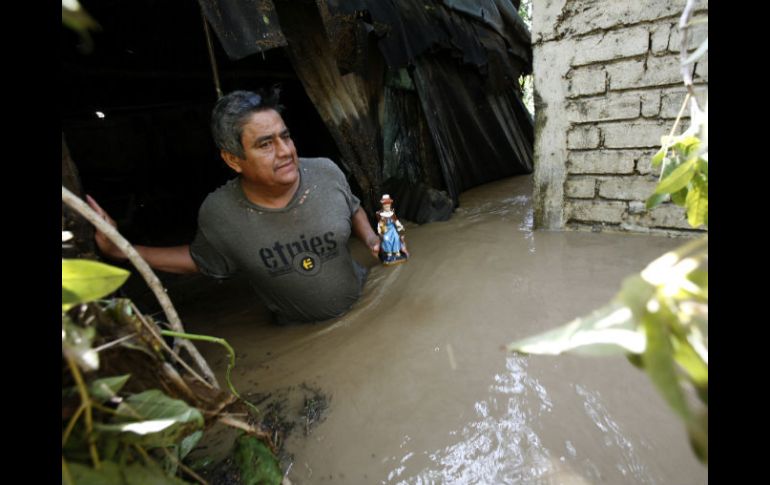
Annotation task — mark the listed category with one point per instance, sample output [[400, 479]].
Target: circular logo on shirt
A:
[[307, 264]]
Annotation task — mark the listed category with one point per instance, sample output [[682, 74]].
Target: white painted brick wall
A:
[[587, 80], [626, 188], [592, 210], [634, 134], [614, 106], [666, 215], [697, 34], [650, 103], [702, 69], [671, 102], [644, 163], [603, 161], [606, 46], [659, 34], [581, 187], [583, 137], [559, 18], [652, 72]]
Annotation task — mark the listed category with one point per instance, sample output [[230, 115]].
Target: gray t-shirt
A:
[[297, 257]]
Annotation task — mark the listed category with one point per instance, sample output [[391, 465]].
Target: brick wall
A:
[[607, 87]]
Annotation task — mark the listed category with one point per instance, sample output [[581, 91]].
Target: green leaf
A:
[[138, 474], [690, 361], [84, 280], [669, 165], [108, 472], [77, 18], [658, 157], [655, 200], [635, 292], [703, 394], [701, 278], [678, 179], [703, 167], [697, 202], [189, 443], [108, 447], [659, 363], [698, 431], [102, 390], [686, 146], [607, 331], [680, 197], [635, 360], [256, 463], [153, 419]]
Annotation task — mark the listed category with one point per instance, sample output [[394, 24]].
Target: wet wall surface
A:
[[419, 388]]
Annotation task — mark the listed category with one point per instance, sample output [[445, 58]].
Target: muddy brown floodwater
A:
[[419, 389]]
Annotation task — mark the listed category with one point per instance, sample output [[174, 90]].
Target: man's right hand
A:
[[105, 245]]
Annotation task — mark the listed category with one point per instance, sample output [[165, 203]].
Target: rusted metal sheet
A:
[[244, 27]]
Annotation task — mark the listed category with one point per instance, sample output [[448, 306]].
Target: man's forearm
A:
[[174, 259], [362, 229]]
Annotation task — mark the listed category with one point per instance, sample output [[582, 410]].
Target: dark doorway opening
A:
[[135, 113]]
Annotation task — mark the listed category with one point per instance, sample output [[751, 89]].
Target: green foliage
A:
[[660, 318], [152, 419], [256, 463], [83, 280], [683, 177], [101, 390], [607, 331], [143, 440], [74, 16], [113, 473]]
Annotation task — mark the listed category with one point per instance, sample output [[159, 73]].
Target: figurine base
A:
[[392, 260]]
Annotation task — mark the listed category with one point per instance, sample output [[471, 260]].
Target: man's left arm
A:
[[365, 233]]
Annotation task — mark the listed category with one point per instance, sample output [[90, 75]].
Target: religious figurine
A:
[[392, 247]]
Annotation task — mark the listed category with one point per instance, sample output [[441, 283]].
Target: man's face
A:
[[270, 157], [386, 207]]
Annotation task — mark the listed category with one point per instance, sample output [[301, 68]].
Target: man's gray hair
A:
[[233, 110]]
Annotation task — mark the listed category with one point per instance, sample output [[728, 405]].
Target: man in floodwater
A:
[[284, 222]]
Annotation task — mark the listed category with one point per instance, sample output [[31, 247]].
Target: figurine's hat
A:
[[386, 199]]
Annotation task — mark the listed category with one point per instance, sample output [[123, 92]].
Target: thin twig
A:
[[156, 333], [242, 425], [145, 456], [65, 472], [114, 342], [71, 424], [185, 468], [176, 379], [85, 401], [144, 269], [107, 410], [679, 116]]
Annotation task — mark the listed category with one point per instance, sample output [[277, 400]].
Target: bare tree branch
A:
[[144, 269], [687, 69]]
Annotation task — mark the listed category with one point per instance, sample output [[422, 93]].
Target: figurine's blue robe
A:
[[391, 243]]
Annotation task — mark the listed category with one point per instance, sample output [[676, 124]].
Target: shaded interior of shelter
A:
[[150, 161], [135, 111]]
